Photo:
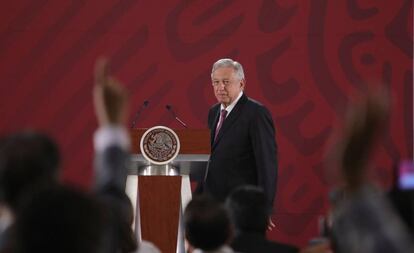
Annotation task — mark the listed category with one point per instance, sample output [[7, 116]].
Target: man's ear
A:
[[242, 83]]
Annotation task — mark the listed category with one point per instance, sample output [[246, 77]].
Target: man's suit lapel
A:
[[214, 126], [230, 120]]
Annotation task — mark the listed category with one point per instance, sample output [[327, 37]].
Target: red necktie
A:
[[222, 118]]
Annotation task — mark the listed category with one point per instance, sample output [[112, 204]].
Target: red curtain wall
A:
[[305, 60]]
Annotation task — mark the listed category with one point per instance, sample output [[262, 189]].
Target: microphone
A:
[[145, 104], [169, 108]]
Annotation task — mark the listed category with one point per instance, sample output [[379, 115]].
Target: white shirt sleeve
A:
[[111, 135]]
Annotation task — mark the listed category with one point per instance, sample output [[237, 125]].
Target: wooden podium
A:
[[159, 199]]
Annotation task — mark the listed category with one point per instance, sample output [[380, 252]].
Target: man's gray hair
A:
[[226, 63]]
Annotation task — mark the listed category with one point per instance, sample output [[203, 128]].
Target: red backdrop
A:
[[305, 60]]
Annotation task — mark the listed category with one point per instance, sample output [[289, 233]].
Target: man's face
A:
[[226, 85]]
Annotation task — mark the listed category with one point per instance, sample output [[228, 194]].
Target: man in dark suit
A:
[[243, 147]]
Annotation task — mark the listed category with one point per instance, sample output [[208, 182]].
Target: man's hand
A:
[[110, 98], [270, 224]]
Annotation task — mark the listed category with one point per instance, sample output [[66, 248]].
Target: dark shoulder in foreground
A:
[[255, 243]]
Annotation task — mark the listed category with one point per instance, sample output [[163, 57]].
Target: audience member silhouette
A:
[[207, 226], [111, 143], [401, 194], [28, 160], [364, 221], [402, 201], [247, 207], [59, 220]]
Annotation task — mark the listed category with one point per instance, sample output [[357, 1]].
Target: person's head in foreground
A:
[[207, 224]]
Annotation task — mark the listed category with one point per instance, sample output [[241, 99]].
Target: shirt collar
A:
[[232, 105]]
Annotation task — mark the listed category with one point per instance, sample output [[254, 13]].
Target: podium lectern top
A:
[[193, 141], [192, 159]]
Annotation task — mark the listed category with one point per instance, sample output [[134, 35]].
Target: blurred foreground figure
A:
[[29, 162], [363, 220], [207, 226], [247, 207], [59, 220], [111, 143]]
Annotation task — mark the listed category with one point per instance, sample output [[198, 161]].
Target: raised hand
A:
[[110, 98]]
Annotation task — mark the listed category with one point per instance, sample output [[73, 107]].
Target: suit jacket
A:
[[244, 152], [250, 242]]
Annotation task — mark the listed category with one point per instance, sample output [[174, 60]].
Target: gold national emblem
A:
[[160, 145]]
